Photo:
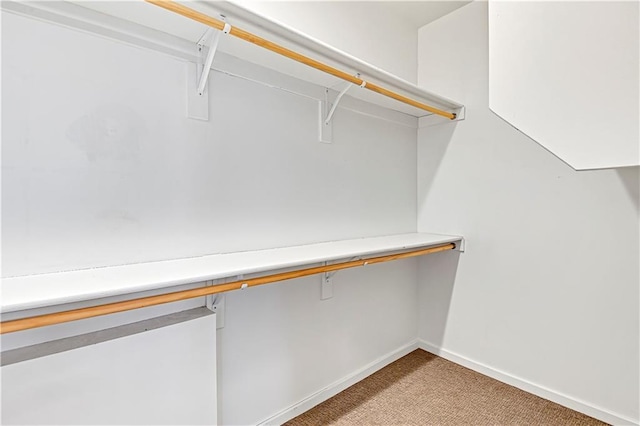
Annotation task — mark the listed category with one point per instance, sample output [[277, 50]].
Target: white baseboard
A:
[[338, 386], [541, 391]]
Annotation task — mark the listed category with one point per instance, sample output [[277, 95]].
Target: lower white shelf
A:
[[36, 291]]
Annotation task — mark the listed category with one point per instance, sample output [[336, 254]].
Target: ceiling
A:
[[414, 13]]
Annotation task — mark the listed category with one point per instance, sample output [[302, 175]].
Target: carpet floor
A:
[[424, 389]]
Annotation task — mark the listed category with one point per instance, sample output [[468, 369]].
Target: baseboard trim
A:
[[338, 386], [541, 391]]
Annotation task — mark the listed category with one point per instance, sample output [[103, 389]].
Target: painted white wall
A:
[[161, 376], [365, 30], [547, 290], [281, 343], [571, 84], [101, 166]]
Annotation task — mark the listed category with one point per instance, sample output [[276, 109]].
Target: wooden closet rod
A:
[[143, 302], [259, 41]]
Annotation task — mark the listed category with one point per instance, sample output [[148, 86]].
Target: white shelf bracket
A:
[[210, 298], [436, 120], [216, 304], [197, 93], [336, 102], [213, 47], [326, 289], [325, 131], [326, 113]]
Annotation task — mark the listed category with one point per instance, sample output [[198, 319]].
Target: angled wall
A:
[[546, 294], [567, 75]]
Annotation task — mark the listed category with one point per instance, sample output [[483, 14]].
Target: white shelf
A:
[[142, 24], [36, 291]]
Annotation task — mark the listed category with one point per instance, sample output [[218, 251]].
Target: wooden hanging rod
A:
[[259, 41], [143, 302]]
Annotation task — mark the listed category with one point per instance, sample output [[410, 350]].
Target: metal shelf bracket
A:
[[326, 112], [216, 304], [197, 94], [326, 289]]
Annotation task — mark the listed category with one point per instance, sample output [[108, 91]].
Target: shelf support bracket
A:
[[216, 304], [326, 289], [197, 94], [336, 102], [326, 113], [325, 130]]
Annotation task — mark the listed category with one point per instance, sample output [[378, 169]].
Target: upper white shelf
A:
[[35, 291], [146, 25]]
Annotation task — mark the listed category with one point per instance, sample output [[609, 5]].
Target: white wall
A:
[[282, 342], [365, 30], [573, 83], [547, 290], [101, 166]]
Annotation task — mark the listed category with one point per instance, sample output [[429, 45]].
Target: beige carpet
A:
[[423, 389]]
